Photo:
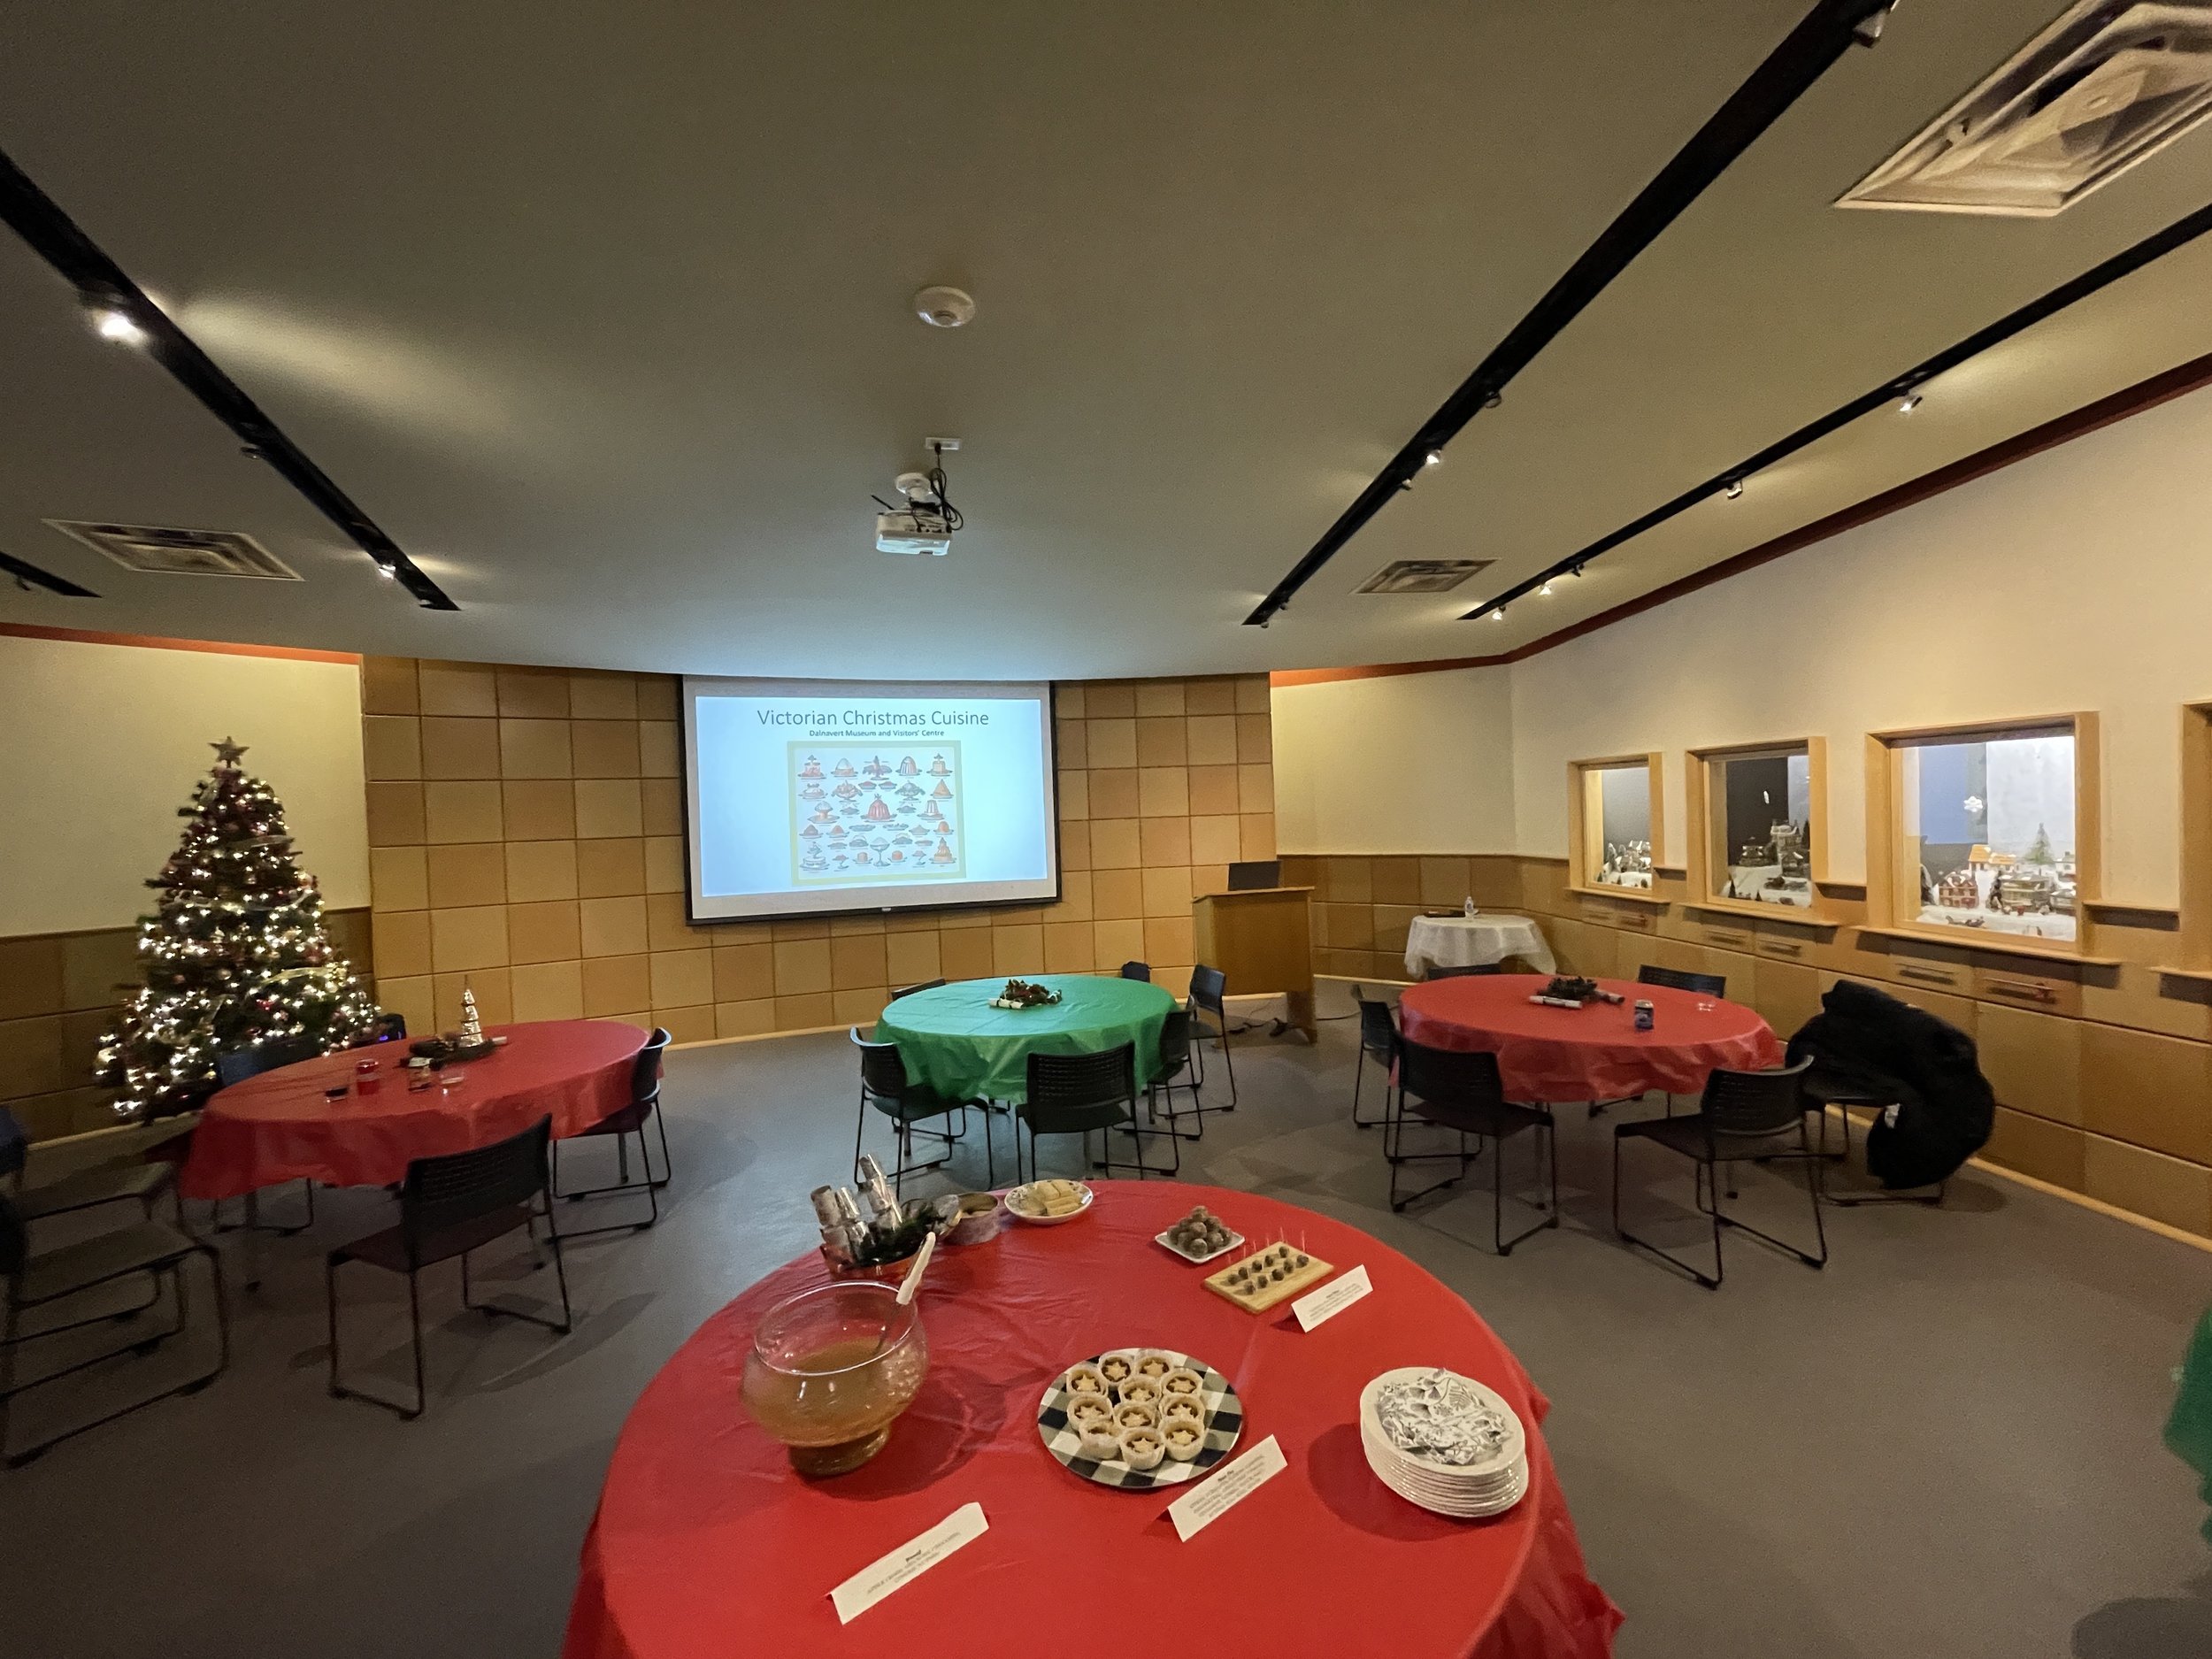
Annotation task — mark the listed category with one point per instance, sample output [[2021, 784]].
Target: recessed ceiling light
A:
[[111, 322]]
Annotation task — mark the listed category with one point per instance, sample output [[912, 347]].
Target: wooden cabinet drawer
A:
[[1630, 918], [1724, 935], [1932, 972], [2030, 986], [1789, 947]]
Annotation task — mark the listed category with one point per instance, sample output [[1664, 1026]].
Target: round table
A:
[[1594, 1053], [954, 1041], [1474, 942], [705, 1543], [280, 1126]]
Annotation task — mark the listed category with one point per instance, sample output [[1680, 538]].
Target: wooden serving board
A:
[[1260, 1299]]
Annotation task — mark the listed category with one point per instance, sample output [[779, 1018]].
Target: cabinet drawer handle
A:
[[1738, 941], [1784, 948], [1926, 976], [2022, 987]]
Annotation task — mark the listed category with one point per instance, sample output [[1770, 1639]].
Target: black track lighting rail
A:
[[25, 574], [1730, 481], [101, 284], [1829, 30]]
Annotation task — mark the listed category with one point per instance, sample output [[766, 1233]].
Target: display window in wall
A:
[[1762, 807], [1616, 839], [1989, 828]]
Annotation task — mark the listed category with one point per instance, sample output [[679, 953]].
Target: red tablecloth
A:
[[706, 1544], [278, 1127], [1594, 1053]]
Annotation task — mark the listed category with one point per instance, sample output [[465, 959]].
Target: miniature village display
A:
[[1777, 869], [1625, 865]]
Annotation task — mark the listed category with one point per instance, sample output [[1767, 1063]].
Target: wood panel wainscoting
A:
[[526, 833], [2102, 1066], [58, 995]]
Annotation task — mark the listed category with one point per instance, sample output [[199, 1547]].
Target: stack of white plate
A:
[[1491, 1483]]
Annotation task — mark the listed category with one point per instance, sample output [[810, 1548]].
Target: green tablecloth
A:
[[953, 1040]]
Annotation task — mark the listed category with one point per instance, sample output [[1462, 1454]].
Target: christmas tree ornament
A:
[[234, 955]]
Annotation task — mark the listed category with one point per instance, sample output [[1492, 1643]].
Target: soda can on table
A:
[[1644, 1012]]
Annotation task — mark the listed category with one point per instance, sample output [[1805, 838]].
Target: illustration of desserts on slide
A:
[[843, 769], [877, 812], [907, 767], [875, 768], [938, 769], [813, 769], [942, 856], [909, 790]]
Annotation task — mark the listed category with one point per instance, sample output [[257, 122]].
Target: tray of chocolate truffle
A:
[[1140, 1418], [1260, 1281], [1199, 1237]]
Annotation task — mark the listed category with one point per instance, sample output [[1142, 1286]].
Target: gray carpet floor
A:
[[1948, 1443]]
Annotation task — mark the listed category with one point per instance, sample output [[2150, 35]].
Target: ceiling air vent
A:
[[164, 552], [2109, 84], [1422, 576]]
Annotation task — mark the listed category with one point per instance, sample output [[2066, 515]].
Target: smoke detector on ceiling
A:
[[1422, 576], [944, 308], [2108, 84], [158, 551]]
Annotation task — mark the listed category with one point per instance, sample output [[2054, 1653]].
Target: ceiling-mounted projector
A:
[[926, 523], [916, 531]]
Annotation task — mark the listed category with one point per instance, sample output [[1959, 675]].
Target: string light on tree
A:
[[235, 954]]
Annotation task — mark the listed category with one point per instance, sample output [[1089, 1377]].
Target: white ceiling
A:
[[601, 313]]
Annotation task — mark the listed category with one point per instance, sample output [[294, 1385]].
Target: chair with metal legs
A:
[[1462, 1091], [909, 990], [451, 1206], [32, 1279], [1137, 971], [1208, 987], [1074, 1093], [236, 1066], [141, 1183], [1378, 1042], [1743, 1117], [1677, 979], [1821, 1095], [884, 1088], [1175, 1073], [644, 1106]]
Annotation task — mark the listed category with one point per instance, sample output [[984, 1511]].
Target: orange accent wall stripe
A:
[[152, 643]]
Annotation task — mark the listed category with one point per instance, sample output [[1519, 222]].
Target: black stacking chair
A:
[[1462, 1091], [1175, 1073], [388, 1028], [447, 1207], [1443, 972], [1074, 1093], [909, 990], [645, 1105], [1137, 971], [236, 1065], [141, 1183], [1208, 987], [1743, 1116], [30, 1279], [1378, 1042], [884, 1088], [1676, 978]]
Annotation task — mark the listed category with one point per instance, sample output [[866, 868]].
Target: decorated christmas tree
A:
[[236, 955]]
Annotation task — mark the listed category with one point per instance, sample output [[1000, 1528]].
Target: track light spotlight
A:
[[1434, 458], [111, 322], [1544, 591], [1910, 402], [1735, 488], [1498, 613]]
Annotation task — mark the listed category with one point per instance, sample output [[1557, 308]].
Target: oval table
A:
[[705, 1542], [954, 1041], [1552, 1055], [280, 1125]]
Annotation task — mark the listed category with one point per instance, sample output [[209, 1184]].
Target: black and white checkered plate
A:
[[1225, 1421]]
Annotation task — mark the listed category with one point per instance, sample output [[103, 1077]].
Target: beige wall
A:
[[2074, 579], [526, 828], [1406, 763], [100, 744]]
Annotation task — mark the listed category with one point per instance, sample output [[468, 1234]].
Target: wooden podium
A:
[[1260, 938]]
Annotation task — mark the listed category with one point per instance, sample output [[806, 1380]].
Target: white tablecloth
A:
[[1474, 942]]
